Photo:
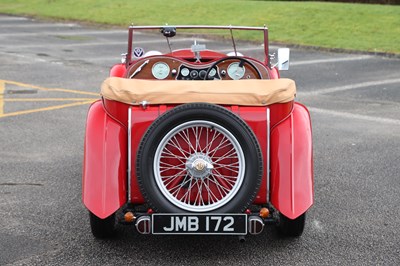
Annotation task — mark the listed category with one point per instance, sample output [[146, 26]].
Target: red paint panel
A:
[[105, 162], [291, 164], [118, 70], [141, 120], [117, 110], [256, 118], [274, 73], [280, 111], [188, 54]]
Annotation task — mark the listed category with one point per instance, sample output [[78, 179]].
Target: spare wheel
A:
[[199, 157]]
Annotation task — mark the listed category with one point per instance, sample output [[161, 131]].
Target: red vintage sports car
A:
[[198, 134]]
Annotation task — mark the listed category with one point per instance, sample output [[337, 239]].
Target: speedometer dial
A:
[[235, 71], [160, 70]]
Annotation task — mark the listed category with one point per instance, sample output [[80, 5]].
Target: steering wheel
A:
[[227, 60]]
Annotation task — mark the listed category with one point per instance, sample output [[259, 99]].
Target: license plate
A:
[[199, 224]]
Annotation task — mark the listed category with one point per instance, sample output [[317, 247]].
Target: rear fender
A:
[[292, 188], [104, 185]]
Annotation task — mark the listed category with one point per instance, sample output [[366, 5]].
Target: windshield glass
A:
[[172, 40]]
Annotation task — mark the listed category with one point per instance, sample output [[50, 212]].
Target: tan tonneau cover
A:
[[254, 92]]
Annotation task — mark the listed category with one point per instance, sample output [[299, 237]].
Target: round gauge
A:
[[194, 74], [235, 71], [202, 74], [160, 70], [185, 72], [212, 73]]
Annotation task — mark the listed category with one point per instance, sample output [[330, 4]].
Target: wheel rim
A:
[[199, 166]]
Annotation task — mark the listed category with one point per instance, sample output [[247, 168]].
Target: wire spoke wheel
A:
[[199, 166], [199, 158]]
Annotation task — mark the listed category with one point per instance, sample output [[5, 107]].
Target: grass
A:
[[360, 27]]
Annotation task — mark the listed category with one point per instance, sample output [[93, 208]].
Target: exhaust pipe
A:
[[143, 225], [256, 225]]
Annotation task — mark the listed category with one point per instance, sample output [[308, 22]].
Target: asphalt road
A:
[[50, 71]]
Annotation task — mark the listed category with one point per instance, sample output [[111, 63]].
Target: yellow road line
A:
[[48, 89], [48, 99], [2, 86], [45, 109]]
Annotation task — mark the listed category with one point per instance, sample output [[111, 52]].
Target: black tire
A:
[[291, 228], [207, 114], [102, 228]]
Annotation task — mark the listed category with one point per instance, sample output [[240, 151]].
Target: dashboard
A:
[[172, 68]]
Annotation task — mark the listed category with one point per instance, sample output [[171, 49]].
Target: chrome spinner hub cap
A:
[[199, 166]]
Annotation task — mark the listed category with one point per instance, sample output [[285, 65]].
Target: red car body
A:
[[115, 131]]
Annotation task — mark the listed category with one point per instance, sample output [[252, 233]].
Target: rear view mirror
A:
[[283, 58]]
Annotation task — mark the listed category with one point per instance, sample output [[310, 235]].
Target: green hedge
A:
[[372, 28], [382, 2]]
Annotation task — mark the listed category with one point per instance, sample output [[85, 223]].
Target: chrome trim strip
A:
[[268, 153], [129, 152], [144, 221], [254, 221], [197, 27]]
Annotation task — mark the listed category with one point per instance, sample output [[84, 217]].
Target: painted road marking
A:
[[52, 33], [40, 25], [49, 89], [73, 44], [247, 49], [46, 109], [44, 99], [89, 44], [352, 115], [355, 116], [351, 87], [330, 60], [74, 100], [13, 18]]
